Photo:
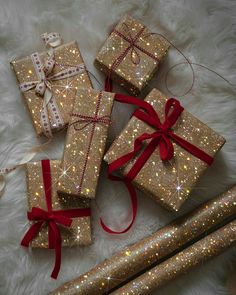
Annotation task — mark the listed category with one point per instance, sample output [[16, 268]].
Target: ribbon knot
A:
[[43, 86], [135, 57], [52, 219], [163, 134], [84, 121], [162, 138], [164, 130], [133, 48]]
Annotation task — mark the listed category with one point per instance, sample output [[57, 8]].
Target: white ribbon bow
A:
[[43, 85], [43, 88]]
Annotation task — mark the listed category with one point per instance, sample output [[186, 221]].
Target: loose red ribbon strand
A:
[[52, 218], [135, 48], [162, 137]]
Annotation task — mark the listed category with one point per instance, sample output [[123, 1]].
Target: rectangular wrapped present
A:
[[131, 54], [168, 182], [79, 233], [49, 81], [85, 143]]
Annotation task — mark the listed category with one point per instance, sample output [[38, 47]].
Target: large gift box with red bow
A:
[[131, 54], [163, 150], [49, 81], [55, 220]]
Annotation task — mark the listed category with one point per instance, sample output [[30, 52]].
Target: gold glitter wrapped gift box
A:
[[61, 72], [168, 182], [131, 54], [79, 233], [85, 143]]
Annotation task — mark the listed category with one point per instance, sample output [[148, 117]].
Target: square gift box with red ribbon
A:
[[42, 180], [49, 81], [163, 150], [55, 221], [131, 54]]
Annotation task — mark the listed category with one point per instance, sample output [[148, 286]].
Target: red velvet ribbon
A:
[[163, 138], [52, 218]]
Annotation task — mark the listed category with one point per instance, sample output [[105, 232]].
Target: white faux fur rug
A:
[[205, 31]]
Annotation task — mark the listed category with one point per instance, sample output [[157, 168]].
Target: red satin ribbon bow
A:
[[52, 218], [163, 137]]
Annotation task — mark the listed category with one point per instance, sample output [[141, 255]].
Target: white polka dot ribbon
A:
[[52, 39], [43, 85]]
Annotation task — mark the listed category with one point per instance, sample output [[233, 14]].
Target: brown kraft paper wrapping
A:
[[140, 256], [167, 182], [85, 143]]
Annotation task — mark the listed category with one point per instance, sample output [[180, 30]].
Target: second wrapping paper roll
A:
[[140, 256], [201, 251]]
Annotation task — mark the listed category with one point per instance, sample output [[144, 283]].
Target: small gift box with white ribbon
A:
[[163, 150], [49, 82], [55, 221], [131, 54], [85, 143]]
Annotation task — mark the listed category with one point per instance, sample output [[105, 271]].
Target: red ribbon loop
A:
[[173, 110], [87, 120], [38, 214], [52, 218], [163, 138]]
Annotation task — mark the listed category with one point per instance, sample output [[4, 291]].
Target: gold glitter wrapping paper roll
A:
[[201, 251], [136, 67], [168, 183], [66, 55], [80, 231], [85, 143], [140, 256]]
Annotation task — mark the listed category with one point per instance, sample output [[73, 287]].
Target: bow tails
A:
[[162, 137], [53, 219]]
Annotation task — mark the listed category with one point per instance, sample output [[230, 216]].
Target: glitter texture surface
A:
[[138, 257], [208, 247], [135, 68], [80, 231], [170, 182], [67, 55], [85, 143]]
